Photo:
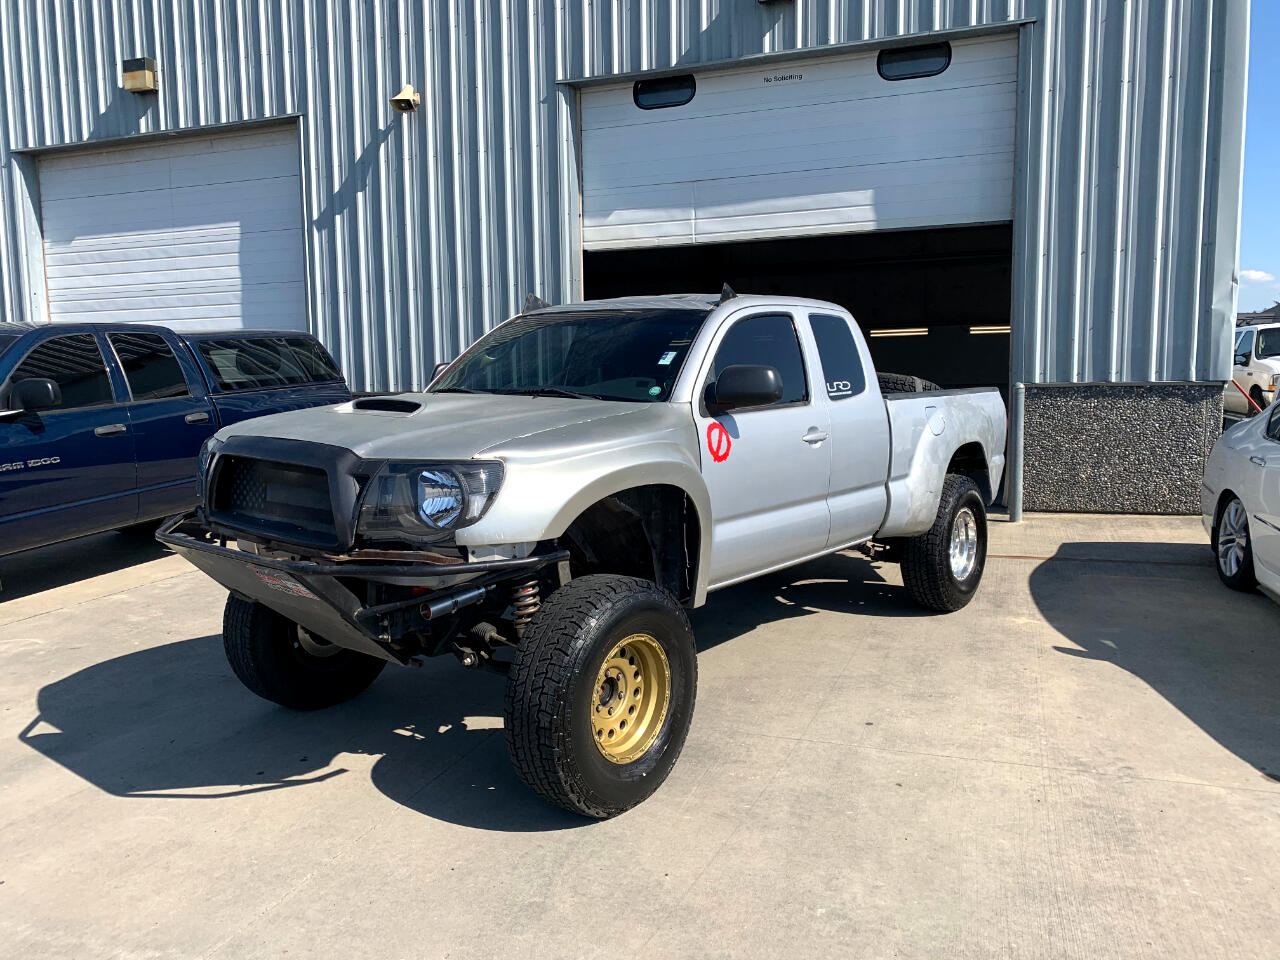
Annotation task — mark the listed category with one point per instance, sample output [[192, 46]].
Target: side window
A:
[[252, 363], [149, 365], [769, 340], [75, 364], [838, 352], [1244, 349], [1273, 425], [314, 359]]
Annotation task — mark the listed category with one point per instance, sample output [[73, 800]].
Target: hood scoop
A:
[[387, 405]]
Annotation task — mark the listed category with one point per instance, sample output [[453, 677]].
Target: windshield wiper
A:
[[459, 390], [552, 392]]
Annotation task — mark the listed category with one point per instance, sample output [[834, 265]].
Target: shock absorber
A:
[[525, 601]]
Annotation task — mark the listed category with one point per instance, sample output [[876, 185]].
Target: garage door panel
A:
[[200, 229], [839, 149], [831, 81]]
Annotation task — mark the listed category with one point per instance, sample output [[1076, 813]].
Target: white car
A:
[[1257, 368], [1241, 503]]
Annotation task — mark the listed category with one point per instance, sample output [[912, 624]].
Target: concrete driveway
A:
[[1083, 763]]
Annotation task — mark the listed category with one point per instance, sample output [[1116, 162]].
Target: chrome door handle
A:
[[815, 436], [197, 418], [1260, 461], [109, 429]]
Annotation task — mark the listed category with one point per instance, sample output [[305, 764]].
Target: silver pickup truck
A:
[[559, 495]]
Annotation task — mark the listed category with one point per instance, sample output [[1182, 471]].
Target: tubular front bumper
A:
[[310, 592]]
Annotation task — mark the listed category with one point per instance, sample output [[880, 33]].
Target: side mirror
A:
[[35, 393], [440, 368], [744, 385], [1242, 360]]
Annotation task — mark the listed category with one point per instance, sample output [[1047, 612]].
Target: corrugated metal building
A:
[[1087, 247]]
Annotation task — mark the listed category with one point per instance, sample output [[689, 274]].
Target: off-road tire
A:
[[552, 683], [266, 655], [1244, 579], [904, 383], [926, 561]]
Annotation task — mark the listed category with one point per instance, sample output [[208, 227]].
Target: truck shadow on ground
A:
[[1159, 612], [47, 568], [173, 722]]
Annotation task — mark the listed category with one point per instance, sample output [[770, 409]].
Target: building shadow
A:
[[173, 722], [1161, 614]]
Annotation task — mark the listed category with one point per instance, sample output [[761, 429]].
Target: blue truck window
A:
[[149, 365], [256, 363], [75, 364], [841, 361]]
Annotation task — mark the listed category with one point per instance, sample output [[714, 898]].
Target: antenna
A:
[[726, 294], [534, 302]]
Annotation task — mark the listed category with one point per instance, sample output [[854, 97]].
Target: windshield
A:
[[7, 340], [633, 355], [1269, 343]]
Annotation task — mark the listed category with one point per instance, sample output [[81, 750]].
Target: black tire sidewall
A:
[[615, 785]]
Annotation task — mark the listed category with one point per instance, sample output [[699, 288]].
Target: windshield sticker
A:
[[718, 442], [667, 358], [654, 391]]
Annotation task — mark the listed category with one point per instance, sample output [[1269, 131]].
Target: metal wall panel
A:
[[423, 231]]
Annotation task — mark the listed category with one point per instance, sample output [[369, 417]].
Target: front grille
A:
[[281, 501]]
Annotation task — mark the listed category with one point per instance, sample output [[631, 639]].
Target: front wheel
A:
[[281, 662], [1233, 547], [600, 696], [943, 567]]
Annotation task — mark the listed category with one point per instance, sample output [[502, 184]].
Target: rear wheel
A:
[[943, 567], [1233, 547], [281, 662], [601, 693]]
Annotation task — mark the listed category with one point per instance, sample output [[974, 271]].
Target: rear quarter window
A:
[[259, 363], [838, 351]]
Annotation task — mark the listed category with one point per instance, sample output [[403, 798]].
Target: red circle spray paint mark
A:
[[718, 442]]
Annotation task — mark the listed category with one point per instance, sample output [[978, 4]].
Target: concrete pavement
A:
[[1082, 763]]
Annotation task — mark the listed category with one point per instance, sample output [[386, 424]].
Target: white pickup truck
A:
[[561, 492]]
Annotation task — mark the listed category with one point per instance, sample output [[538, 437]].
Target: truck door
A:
[[68, 470], [170, 416], [859, 430], [767, 468]]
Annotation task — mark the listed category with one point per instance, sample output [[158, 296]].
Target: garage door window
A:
[[75, 364], [767, 340], [149, 365], [261, 362], [664, 92], [841, 362], [911, 63]]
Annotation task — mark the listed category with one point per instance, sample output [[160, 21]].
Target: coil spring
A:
[[525, 601]]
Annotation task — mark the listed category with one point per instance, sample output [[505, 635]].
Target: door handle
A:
[[814, 435], [1259, 461], [197, 418], [109, 429]]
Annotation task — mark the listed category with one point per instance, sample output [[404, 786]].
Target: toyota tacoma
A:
[[558, 497]]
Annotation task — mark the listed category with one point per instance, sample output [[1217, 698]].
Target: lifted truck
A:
[[558, 496]]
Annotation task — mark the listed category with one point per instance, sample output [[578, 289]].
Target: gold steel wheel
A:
[[630, 698]]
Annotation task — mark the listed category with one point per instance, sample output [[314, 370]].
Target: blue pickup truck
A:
[[101, 424]]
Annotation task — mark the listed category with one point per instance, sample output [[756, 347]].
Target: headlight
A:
[[425, 502], [207, 452]]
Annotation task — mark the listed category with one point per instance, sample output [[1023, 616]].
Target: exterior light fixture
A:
[[407, 100], [139, 75]]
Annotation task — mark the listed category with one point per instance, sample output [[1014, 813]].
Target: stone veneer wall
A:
[[1118, 448]]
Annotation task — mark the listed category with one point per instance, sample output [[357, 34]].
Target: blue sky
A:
[[1260, 222]]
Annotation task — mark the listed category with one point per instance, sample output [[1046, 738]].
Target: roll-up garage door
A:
[[200, 232], [822, 145]]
